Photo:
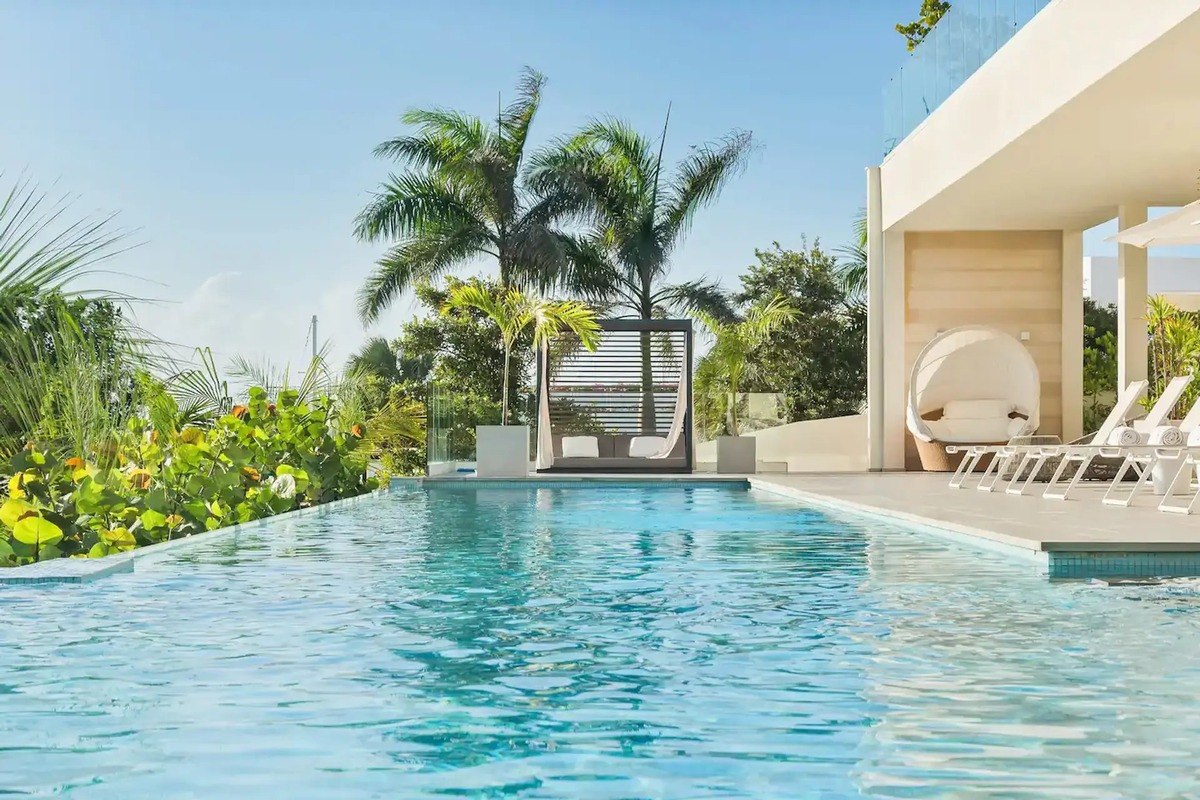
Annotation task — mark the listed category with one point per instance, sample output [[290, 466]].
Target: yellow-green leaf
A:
[[12, 511], [37, 531], [120, 538], [100, 550], [152, 519]]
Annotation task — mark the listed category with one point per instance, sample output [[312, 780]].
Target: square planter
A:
[[502, 451], [737, 455]]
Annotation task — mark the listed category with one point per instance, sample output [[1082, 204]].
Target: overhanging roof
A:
[[1093, 104]]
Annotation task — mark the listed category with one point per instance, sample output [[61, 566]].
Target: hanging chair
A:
[[971, 385]]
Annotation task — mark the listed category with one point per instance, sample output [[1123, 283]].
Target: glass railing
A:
[[967, 36], [723, 414], [450, 425]]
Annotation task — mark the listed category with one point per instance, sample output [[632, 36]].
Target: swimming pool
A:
[[599, 642]]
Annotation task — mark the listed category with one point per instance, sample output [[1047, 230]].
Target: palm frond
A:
[[408, 202], [376, 357], [697, 296], [421, 259], [699, 180], [41, 248], [518, 117], [201, 388], [852, 260]]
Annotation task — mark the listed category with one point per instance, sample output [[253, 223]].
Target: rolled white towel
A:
[[1193, 438], [1166, 435], [1124, 436]]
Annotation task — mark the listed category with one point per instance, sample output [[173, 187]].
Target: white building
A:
[[1176, 278]]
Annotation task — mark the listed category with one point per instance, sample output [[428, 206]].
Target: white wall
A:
[[1164, 276], [838, 444]]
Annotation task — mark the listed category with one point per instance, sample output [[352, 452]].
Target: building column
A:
[[895, 362], [1072, 335], [1131, 301], [875, 340]]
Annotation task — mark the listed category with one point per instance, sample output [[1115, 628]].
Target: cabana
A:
[[971, 385], [625, 407]]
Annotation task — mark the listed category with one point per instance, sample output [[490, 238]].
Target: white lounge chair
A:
[[1191, 489], [1024, 453], [1079, 457], [1142, 459]]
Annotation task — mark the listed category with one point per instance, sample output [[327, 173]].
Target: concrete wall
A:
[[1010, 280], [838, 444]]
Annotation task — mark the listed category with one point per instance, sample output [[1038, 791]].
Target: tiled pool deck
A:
[[1077, 538]]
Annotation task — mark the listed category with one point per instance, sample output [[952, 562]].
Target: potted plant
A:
[[502, 451], [726, 362]]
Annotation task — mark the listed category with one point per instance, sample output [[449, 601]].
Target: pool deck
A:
[[1027, 522], [1079, 538]]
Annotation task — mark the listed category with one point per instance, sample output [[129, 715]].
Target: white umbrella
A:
[[1178, 227]]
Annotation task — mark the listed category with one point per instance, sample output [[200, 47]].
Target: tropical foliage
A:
[[638, 214], [721, 370], [1174, 349], [153, 481], [515, 312], [929, 15], [459, 198], [818, 356], [109, 444]]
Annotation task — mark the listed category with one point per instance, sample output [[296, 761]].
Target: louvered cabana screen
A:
[[628, 386]]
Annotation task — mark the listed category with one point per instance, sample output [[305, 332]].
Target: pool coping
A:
[[82, 570]]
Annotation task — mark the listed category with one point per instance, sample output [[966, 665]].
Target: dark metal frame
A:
[[645, 326]]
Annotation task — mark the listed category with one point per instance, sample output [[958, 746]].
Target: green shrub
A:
[[152, 485]]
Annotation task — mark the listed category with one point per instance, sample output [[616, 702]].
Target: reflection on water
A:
[[595, 643]]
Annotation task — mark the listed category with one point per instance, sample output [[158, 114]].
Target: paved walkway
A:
[[1075, 525]]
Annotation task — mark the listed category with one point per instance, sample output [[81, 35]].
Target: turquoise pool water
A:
[[595, 643]]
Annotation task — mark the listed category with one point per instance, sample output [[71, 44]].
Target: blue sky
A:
[[236, 137]]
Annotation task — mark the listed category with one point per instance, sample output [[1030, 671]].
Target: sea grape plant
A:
[[157, 483]]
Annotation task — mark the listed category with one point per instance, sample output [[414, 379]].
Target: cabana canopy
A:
[[973, 385], [1179, 227], [625, 407]]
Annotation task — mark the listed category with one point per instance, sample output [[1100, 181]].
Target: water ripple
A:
[[596, 643]]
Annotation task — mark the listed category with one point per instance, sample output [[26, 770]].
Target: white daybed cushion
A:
[[977, 409], [970, 431], [646, 446], [580, 447]]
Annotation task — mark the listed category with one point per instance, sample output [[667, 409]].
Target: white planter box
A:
[[502, 451], [737, 455]]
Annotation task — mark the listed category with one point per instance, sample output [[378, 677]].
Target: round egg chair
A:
[[971, 385]]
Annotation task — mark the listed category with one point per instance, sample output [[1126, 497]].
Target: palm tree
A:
[[733, 342], [513, 311], [460, 198], [376, 357], [639, 217]]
